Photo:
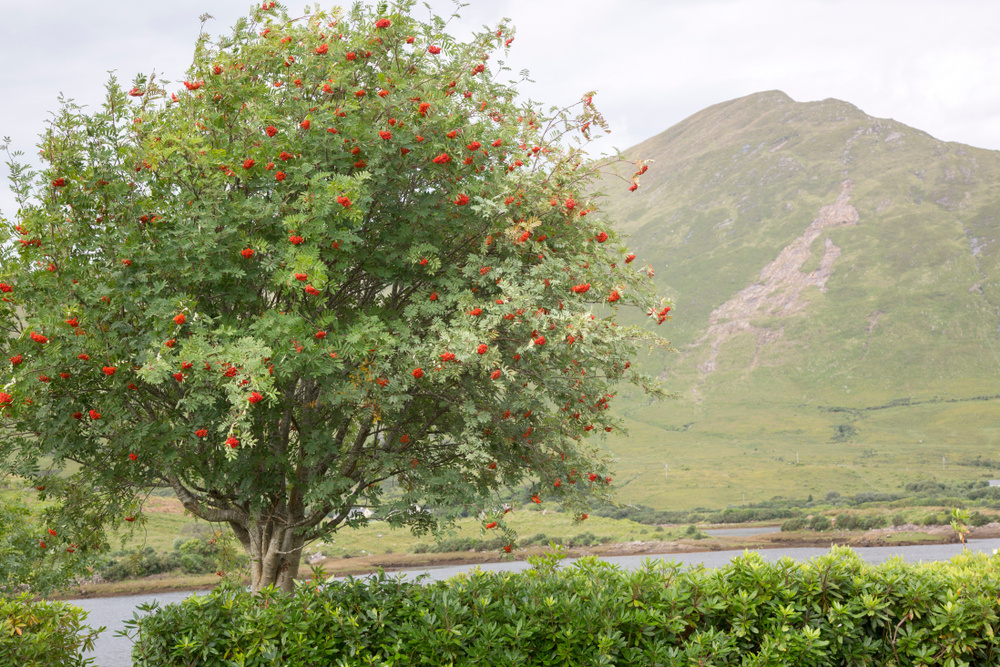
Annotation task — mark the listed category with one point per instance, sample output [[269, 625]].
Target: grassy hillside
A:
[[837, 310]]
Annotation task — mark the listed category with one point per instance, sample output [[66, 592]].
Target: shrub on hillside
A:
[[874, 497], [798, 523], [451, 544], [926, 487], [977, 519], [583, 540], [765, 511], [819, 522], [985, 493], [933, 519], [191, 556], [537, 538], [752, 513], [136, 563], [870, 522], [859, 522], [194, 564]]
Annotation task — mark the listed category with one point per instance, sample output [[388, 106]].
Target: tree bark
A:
[[275, 553], [274, 549]]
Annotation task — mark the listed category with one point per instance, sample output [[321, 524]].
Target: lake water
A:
[[112, 651]]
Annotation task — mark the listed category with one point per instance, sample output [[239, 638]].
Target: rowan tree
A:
[[341, 266], [31, 559]]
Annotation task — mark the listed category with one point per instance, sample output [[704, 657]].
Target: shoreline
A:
[[909, 535]]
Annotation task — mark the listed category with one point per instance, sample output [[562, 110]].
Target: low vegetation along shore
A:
[[168, 550], [664, 540]]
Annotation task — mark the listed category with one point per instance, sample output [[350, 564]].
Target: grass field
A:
[[377, 538], [740, 452]]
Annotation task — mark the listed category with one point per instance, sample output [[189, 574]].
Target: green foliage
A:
[[692, 532], [191, 556], [870, 522], [193, 564], [587, 539], [35, 554], [960, 523], [767, 511], [136, 563], [798, 523], [830, 611], [819, 522], [450, 544], [859, 521], [746, 514], [44, 634], [977, 519], [341, 266], [926, 487]]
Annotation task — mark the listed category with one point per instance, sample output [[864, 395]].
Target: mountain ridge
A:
[[893, 300]]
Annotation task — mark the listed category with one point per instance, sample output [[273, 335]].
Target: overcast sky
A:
[[930, 64]]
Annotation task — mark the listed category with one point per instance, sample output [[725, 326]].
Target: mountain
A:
[[836, 280]]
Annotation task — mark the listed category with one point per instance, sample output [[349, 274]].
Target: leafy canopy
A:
[[342, 265]]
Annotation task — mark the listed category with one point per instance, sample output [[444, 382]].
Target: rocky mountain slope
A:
[[837, 319]]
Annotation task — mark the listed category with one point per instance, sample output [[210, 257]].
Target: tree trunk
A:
[[274, 552]]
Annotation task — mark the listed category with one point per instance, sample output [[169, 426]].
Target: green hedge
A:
[[43, 634], [835, 610]]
